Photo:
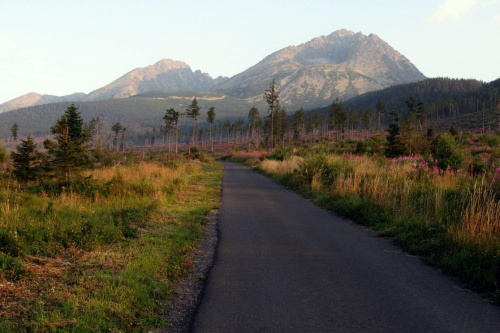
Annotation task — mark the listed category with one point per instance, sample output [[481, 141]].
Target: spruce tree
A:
[[193, 111], [394, 145], [68, 155], [298, 124], [14, 130], [27, 161], [272, 99], [171, 120], [253, 118], [211, 119]]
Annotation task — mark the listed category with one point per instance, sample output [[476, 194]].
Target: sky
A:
[[60, 47]]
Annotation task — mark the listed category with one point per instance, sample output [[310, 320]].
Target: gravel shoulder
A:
[[181, 307]]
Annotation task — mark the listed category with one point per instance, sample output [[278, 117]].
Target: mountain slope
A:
[[165, 75], [32, 99], [343, 64], [20, 102]]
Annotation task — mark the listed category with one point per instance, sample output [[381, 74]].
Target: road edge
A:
[[186, 296]]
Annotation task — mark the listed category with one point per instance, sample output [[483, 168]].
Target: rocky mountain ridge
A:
[[165, 75], [341, 65]]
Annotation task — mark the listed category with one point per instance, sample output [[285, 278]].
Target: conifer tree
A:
[[394, 146], [380, 106], [171, 120], [14, 131], [193, 111], [339, 116], [298, 124], [272, 99], [253, 118], [27, 161], [68, 155], [116, 128], [211, 119]]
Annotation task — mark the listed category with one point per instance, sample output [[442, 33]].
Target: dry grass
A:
[[288, 166], [116, 282], [407, 188]]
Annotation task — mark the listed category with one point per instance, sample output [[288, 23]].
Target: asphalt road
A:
[[285, 265]]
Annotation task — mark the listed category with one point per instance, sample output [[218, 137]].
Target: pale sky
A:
[[59, 47]]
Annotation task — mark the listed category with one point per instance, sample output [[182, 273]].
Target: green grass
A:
[[103, 255]]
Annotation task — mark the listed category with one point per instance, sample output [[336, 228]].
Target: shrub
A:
[[281, 153], [194, 149], [3, 153], [447, 153], [491, 140], [360, 147]]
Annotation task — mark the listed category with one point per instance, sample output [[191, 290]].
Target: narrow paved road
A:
[[285, 265]]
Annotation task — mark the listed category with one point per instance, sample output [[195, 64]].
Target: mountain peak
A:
[[20, 102], [165, 75], [340, 65], [342, 33], [168, 64]]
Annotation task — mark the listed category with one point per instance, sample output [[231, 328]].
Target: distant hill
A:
[[137, 113], [450, 102], [342, 65], [430, 91], [37, 99], [165, 75]]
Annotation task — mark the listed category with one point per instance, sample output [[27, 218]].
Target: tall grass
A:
[[451, 218], [100, 254]]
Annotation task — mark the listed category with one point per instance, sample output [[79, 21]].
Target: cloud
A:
[[497, 17], [453, 9], [490, 3], [6, 43]]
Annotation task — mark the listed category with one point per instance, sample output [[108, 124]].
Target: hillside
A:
[[165, 75], [138, 113], [343, 64], [448, 102]]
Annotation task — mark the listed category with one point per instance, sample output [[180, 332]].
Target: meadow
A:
[[103, 252], [448, 217]]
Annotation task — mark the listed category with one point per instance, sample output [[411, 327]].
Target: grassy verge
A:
[[449, 218], [101, 254]]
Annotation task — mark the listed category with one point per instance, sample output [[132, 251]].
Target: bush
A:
[[491, 140], [281, 153], [361, 147], [447, 153], [194, 149], [3, 153]]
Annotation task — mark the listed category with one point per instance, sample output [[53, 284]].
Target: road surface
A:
[[285, 265]]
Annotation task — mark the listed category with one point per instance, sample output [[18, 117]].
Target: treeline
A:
[[444, 98], [139, 114]]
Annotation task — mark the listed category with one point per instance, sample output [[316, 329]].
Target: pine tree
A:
[[171, 120], [272, 99], [380, 106], [68, 156], [14, 131], [298, 124], [193, 111], [394, 146], [27, 161], [339, 116], [253, 118], [211, 119], [116, 128]]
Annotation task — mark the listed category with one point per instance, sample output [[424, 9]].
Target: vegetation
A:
[[101, 253], [96, 247], [444, 207]]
